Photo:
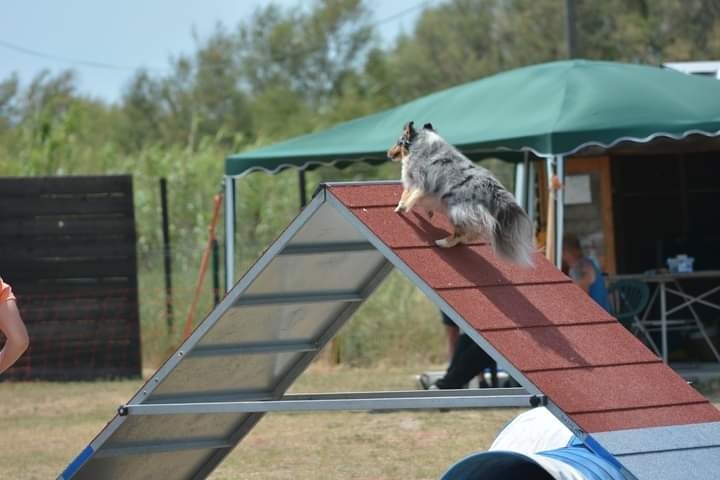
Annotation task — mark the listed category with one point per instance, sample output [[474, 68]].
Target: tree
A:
[[141, 112], [8, 97], [464, 40], [649, 32], [220, 108], [306, 52]]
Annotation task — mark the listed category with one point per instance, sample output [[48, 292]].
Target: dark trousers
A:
[[468, 361]]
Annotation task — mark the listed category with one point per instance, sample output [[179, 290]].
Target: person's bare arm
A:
[[15, 332], [584, 275]]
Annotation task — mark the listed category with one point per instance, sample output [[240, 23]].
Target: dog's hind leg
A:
[[428, 204], [468, 238], [456, 238]]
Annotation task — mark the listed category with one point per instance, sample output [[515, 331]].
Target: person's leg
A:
[[452, 332], [15, 334], [468, 361]]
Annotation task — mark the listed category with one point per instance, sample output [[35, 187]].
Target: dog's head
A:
[[402, 147]]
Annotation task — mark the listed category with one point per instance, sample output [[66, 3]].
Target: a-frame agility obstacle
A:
[[567, 353]]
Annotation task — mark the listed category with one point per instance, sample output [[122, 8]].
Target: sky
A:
[[128, 34]]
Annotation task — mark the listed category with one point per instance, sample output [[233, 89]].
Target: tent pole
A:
[[550, 223], [528, 181], [571, 29], [521, 183], [303, 191], [560, 210], [229, 232], [530, 186]]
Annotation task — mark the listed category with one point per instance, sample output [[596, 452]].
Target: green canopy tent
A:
[[551, 110]]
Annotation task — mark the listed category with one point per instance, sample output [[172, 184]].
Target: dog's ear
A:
[[409, 130], [428, 126]]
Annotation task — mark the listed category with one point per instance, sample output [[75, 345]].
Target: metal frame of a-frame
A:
[[566, 352], [153, 432]]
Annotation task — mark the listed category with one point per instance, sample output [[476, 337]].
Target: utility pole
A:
[[570, 30]]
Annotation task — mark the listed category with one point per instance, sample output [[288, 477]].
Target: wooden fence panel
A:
[[67, 247]]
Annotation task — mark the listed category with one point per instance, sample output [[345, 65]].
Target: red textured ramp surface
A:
[[473, 266], [517, 306], [569, 346], [413, 230], [558, 338]]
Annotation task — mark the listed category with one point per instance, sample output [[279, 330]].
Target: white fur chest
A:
[[406, 167]]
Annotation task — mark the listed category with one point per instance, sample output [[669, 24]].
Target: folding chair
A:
[[628, 299]]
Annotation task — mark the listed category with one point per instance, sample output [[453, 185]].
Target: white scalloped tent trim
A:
[[583, 146]]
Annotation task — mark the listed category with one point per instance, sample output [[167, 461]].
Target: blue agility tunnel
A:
[[535, 446], [569, 463]]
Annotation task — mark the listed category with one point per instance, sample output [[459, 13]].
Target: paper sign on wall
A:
[[577, 190]]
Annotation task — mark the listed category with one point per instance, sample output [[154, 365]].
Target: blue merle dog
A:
[[436, 176]]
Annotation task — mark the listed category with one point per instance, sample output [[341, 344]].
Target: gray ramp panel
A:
[[270, 323], [258, 340], [697, 464], [148, 466], [156, 430], [687, 452]]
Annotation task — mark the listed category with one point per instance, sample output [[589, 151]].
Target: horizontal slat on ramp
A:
[[374, 401], [516, 401]]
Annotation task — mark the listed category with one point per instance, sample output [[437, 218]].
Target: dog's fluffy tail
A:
[[510, 230], [513, 236]]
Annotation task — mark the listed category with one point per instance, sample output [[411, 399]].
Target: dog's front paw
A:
[[448, 242], [443, 243], [400, 208]]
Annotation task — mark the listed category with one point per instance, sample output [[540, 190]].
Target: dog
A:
[[437, 177]]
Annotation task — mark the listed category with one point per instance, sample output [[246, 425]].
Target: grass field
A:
[[44, 425]]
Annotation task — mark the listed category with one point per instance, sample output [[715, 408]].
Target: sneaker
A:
[[425, 382]]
